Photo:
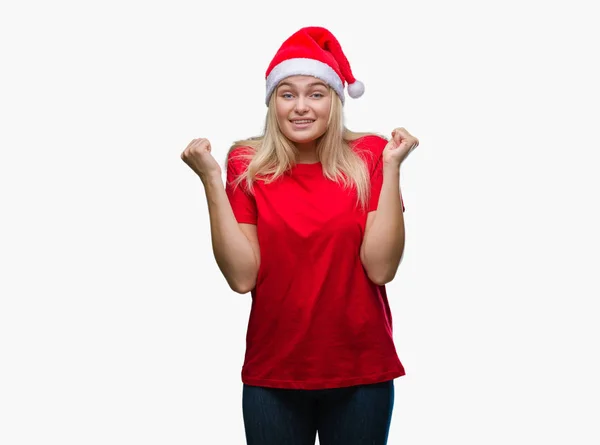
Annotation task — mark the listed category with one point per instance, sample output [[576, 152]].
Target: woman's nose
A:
[[301, 105]]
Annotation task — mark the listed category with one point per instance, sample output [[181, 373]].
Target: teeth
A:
[[302, 122]]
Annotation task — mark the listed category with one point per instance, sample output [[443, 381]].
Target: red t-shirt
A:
[[317, 321]]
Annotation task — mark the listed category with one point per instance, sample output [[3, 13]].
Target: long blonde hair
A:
[[272, 154]]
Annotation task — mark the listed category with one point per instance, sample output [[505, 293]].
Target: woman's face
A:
[[302, 105]]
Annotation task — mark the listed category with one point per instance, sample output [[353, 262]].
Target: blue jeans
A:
[[356, 415]]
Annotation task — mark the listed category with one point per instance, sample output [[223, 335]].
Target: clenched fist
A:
[[197, 155], [399, 147]]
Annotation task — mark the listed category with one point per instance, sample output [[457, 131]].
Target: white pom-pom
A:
[[356, 89]]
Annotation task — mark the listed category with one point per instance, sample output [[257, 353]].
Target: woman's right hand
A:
[[197, 155]]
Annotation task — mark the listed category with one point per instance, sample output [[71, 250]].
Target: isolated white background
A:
[[116, 326]]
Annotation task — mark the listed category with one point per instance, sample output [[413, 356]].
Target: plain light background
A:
[[116, 326]]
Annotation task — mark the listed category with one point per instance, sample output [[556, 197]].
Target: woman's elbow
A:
[[381, 280], [382, 277], [242, 287]]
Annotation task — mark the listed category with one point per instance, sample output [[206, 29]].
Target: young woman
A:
[[310, 222]]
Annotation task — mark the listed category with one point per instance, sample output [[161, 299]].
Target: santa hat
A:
[[313, 51]]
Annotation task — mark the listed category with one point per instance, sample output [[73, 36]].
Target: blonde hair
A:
[[272, 154]]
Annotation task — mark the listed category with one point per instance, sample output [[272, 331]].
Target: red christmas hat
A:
[[313, 51]]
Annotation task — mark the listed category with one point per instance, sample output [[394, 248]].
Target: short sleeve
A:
[[242, 201], [376, 172]]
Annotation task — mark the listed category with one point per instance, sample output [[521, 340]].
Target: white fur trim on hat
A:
[[304, 67]]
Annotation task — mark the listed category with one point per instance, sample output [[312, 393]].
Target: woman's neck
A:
[[307, 153]]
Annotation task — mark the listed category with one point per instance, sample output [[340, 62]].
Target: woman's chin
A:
[[303, 138]]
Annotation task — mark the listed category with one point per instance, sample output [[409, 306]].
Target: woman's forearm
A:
[[383, 244], [232, 250]]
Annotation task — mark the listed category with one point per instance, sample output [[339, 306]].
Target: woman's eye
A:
[[290, 95]]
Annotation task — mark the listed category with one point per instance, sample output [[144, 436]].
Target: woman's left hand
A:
[[399, 147]]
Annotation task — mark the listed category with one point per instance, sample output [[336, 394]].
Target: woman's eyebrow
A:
[[282, 84]]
